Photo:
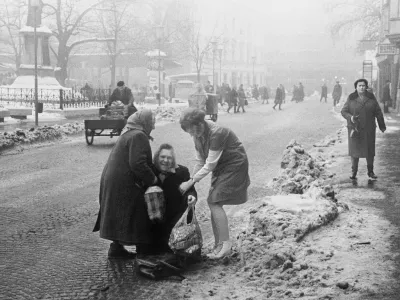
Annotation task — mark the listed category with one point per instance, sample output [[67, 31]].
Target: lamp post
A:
[[253, 58], [159, 33], [220, 63], [214, 49], [35, 4]]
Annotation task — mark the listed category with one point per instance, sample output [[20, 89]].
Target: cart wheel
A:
[[89, 135]]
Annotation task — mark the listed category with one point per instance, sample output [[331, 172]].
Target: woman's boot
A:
[[371, 173]]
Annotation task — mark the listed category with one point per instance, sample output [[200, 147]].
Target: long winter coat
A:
[[123, 215], [278, 96], [364, 146], [337, 92]]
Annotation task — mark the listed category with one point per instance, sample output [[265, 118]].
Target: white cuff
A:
[[209, 166]]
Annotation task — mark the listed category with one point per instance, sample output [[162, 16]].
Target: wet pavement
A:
[[48, 204], [384, 193]]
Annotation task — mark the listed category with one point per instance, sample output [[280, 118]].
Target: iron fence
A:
[[54, 98]]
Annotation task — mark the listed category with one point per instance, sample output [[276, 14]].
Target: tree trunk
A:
[[113, 60], [198, 75]]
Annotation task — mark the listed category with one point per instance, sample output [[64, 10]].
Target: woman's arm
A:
[[209, 166], [138, 160], [346, 111]]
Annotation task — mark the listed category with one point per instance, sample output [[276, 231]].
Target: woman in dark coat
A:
[[123, 217], [171, 176], [278, 97], [360, 110], [242, 98]]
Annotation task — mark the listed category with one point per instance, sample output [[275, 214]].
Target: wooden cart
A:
[[103, 128], [107, 126]]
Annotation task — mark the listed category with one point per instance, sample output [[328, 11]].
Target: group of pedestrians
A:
[[234, 97], [336, 93], [298, 93]]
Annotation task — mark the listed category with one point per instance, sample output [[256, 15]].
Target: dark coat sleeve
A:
[[379, 116], [139, 149], [346, 111]]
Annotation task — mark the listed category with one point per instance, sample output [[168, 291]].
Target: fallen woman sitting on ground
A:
[[171, 176]]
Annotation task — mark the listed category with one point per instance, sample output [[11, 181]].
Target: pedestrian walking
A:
[[386, 99], [283, 93], [324, 93], [278, 97], [360, 110], [264, 94], [242, 98], [301, 93], [336, 93], [218, 151], [295, 93], [233, 99], [255, 92], [123, 218]]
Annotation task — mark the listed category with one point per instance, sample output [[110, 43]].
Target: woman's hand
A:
[[192, 200], [185, 186]]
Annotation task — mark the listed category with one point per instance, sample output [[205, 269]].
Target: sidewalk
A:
[[349, 258]]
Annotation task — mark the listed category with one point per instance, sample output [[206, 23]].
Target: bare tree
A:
[[70, 21], [356, 15], [11, 20], [119, 23]]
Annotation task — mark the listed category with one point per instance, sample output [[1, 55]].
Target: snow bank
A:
[[43, 133]]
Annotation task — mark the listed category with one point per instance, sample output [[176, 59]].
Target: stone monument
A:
[[26, 78]]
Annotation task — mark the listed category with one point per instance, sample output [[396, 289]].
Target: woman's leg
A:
[[221, 221], [215, 231]]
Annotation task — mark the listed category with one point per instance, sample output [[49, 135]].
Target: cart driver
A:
[[123, 94]]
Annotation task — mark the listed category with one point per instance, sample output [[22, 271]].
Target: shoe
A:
[[372, 176], [353, 177], [225, 251], [273, 107], [118, 251]]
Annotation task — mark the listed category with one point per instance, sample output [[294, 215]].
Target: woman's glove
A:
[[192, 200]]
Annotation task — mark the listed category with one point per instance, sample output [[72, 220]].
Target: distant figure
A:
[[209, 88], [385, 99], [295, 92], [278, 97], [283, 93], [199, 98], [324, 92], [233, 99], [301, 92], [242, 98], [255, 92], [264, 94], [337, 93]]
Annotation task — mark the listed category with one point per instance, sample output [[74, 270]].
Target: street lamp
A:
[[159, 34], [253, 58], [220, 63], [214, 49], [35, 5]]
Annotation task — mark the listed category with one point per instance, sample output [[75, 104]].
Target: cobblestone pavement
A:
[[48, 204]]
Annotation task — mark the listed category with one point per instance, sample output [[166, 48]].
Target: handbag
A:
[[355, 131], [155, 202], [186, 238], [246, 102], [157, 270]]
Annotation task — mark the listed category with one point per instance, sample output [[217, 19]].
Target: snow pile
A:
[[299, 171], [171, 114], [39, 134]]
